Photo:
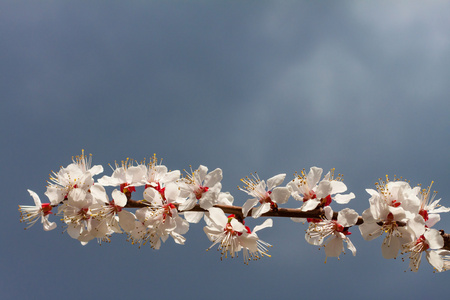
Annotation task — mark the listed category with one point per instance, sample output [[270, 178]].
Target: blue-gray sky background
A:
[[266, 86]]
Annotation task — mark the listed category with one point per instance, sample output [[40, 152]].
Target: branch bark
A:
[[279, 212]]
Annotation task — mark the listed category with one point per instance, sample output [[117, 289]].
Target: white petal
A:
[[172, 192], [389, 249], [187, 205], [37, 200], [218, 216], [47, 225], [338, 187], [370, 231], [248, 205], [417, 225], [225, 198], [350, 246], [193, 216], [213, 177], [109, 180], [178, 238], [100, 230], [328, 212], [136, 173], [79, 197], [212, 233], [95, 170], [315, 240], [150, 194], [267, 223], [435, 260], [310, 204], [275, 181], [99, 193], [208, 199], [280, 195], [172, 176], [182, 225], [201, 173], [249, 241], [119, 198], [432, 220], [258, 211], [324, 189], [343, 199], [74, 231], [299, 220], [238, 226], [126, 220], [55, 195], [313, 176], [372, 192], [334, 246], [347, 217], [434, 239]]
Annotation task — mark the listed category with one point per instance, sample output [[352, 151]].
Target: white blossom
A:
[[30, 214], [431, 239], [233, 236], [269, 196], [313, 192], [202, 187], [333, 233]]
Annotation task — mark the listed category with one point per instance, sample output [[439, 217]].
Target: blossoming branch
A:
[[170, 202]]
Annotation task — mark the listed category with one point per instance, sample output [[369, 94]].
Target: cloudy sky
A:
[[266, 86]]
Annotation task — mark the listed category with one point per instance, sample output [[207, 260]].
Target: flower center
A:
[[266, 198], [83, 213], [395, 203], [310, 195], [115, 208], [326, 201], [199, 192], [339, 228], [124, 188], [424, 214], [168, 210], [46, 208], [422, 242]]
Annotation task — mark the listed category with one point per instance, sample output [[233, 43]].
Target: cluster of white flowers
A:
[[406, 216], [171, 202]]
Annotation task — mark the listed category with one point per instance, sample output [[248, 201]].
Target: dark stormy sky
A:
[[266, 86]]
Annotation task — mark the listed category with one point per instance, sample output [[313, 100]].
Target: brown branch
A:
[[278, 212], [237, 210]]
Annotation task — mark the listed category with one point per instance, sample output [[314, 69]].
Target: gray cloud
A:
[[255, 86]]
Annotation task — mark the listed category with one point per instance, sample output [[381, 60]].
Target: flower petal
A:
[[248, 205], [265, 224], [280, 195], [119, 198], [275, 181], [37, 200], [213, 177], [193, 216], [126, 220], [258, 211]]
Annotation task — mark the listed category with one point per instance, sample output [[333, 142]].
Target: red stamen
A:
[[326, 201], [395, 203], [115, 207], [124, 188], [421, 240], [424, 214], [46, 208], [311, 195], [199, 192], [312, 220]]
